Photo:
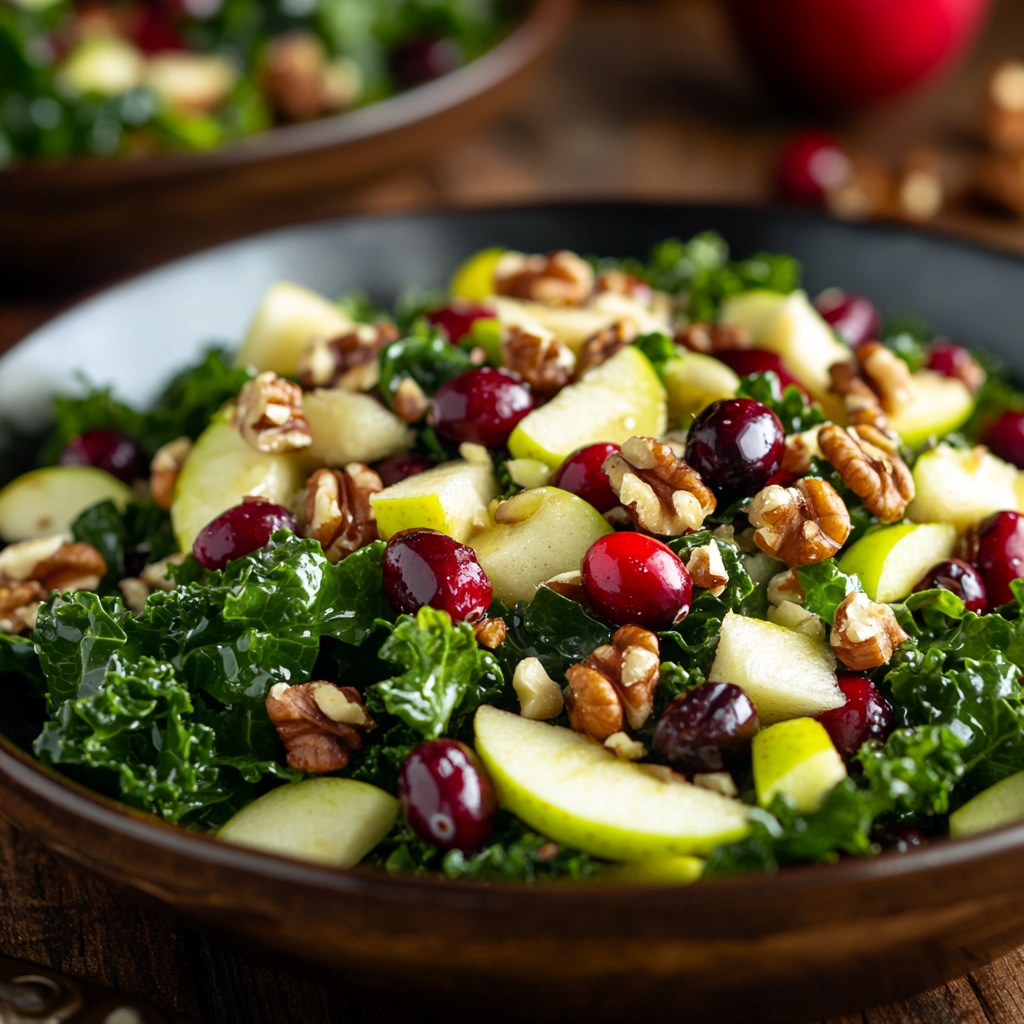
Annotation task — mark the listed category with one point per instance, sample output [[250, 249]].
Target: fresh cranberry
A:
[[812, 165], [953, 360], [446, 795], [457, 319], [482, 405], [746, 361], [902, 838], [154, 32], [959, 578], [398, 467], [631, 578], [240, 531], [854, 318], [581, 474], [109, 450], [736, 444], [1006, 438], [706, 729], [997, 552], [425, 59], [428, 567], [866, 715]]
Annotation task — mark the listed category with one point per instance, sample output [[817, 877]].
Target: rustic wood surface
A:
[[646, 100]]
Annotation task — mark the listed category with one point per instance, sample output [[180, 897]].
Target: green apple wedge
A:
[[452, 498], [786, 674], [941, 405], [350, 427], [577, 792], [473, 281], [536, 535], [1000, 804], [220, 471], [795, 758], [694, 381], [332, 821], [47, 501], [891, 561], [658, 871], [613, 402]]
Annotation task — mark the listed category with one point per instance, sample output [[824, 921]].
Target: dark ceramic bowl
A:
[[810, 942]]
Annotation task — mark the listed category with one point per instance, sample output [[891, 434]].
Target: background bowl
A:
[[810, 942]]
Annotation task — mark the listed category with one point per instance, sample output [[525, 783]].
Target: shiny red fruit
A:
[[239, 532], [866, 715], [902, 838], [812, 166], [1006, 438], [155, 32], [953, 360], [854, 318], [746, 361], [997, 552], [482, 406], [425, 59], [581, 474], [399, 467], [457, 319], [960, 578], [426, 567], [446, 795], [633, 579], [109, 450]]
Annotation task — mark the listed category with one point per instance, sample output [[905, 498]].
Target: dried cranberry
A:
[[866, 715], [854, 318], [482, 405], [424, 59], [446, 795], [631, 578], [997, 552], [902, 838], [811, 166], [398, 467], [581, 474], [239, 532], [960, 578], [1006, 438], [457, 319], [953, 360], [706, 729], [428, 567], [745, 361], [109, 450]]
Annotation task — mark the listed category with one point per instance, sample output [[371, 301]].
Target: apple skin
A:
[[843, 56], [940, 406], [1000, 804], [891, 561], [797, 759], [474, 279]]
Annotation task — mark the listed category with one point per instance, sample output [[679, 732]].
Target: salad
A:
[[581, 568], [130, 77]]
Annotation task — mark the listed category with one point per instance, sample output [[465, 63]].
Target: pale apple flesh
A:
[[795, 758], [940, 405], [694, 381], [350, 427], [999, 805], [891, 561]]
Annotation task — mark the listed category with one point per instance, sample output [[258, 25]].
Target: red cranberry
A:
[[425, 59], [1006, 438], [446, 796], [854, 318], [398, 467], [953, 360], [240, 531], [746, 361], [428, 567], [457, 319], [631, 578], [482, 405], [902, 838], [109, 450], [812, 165], [866, 715], [706, 729], [997, 552], [154, 32], [736, 444], [581, 474], [959, 578]]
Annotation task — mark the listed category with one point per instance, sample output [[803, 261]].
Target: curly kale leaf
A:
[[660, 350], [789, 404], [425, 357], [826, 587]]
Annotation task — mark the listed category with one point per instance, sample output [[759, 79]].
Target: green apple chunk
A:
[[473, 281], [350, 427], [452, 498], [220, 471], [333, 821], [1001, 804], [536, 535], [577, 792], [891, 561], [694, 381], [796, 758], [941, 404], [786, 674], [659, 871], [288, 318], [612, 402], [47, 501]]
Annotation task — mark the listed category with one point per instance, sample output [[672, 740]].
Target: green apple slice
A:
[[891, 561], [613, 402], [332, 821], [659, 871], [1001, 804], [941, 405], [351, 427], [537, 535], [694, 381], [577, 792], [474, 280], [786, 674], [797, 759], [47, 501]]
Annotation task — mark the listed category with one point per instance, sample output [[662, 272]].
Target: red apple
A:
[[842, 56]]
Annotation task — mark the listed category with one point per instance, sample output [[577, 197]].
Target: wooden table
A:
[[646, 100]]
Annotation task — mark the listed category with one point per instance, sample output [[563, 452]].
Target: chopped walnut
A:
[[540, 357], [18, 561], [319, 723], [868, 464], [570, 585], [707, 568], [135, 590], [721, 783], [861, 403], [490, 633], [602, 346], [888, 376], [348, 361], [664, 494], [269, 415], [800, 449], [785, 586], [338, 509], [622, 746], [619, 283], [19, 605], [540, 697], [865, 634], [801, 525], [165, 467], [302, 83], [409, 403], [134, 593], [709, 338], [558, 279], [72, 567]]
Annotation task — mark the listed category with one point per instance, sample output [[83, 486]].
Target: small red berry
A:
[[581, 474], [866, 715], [953, 360], [239, 532], [482, 406], [398, 467], [457, 319], [997, 552], [107, 449], [1006, 438], [854, 318], [812, 165], [959, 578], [746, 361]]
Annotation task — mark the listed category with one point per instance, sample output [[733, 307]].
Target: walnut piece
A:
[[165, 467], [557, 279], [708, 570], [540, 697], [801, 525], [624, 747], [72, 567], [664, 494], [570, 585], [338, 509], [490, 633], [540, 357], [862, 405], [800, 449], [786, 586], [614, 685], [1004, 117], [19, 605], [302, 83], [409, 403], [269, 415], [868, 464], [709, 338], [602, 346], [348, 361], [865, 634], [619, 283], [888, 376], [319, 723]]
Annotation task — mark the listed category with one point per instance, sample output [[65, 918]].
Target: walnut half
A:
[[801, 525], [864, 633], [338, 509], [558, 279], [269, 415], [540, 357]]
